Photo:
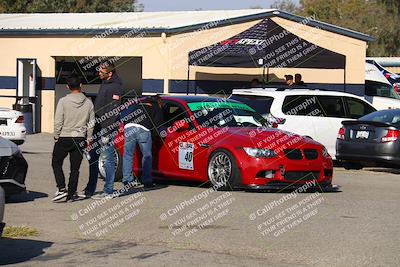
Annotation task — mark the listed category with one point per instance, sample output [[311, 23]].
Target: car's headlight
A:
[[325, 153], [259, 153]]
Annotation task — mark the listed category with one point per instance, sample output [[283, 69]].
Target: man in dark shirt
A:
[[107, 108], [298, 80], [289, 80], [141, 121]]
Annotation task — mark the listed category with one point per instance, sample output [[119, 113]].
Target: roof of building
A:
[[386, 61], [152, 22], [289, 91]]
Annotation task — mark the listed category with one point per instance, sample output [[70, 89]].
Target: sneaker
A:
[[134, 183], [103, 196], [149, 185], [84, 194], [73, 198], [60, 194]]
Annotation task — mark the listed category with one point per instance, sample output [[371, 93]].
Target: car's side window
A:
[[331, 106], [357, 108], [172, 113], [301, 105]]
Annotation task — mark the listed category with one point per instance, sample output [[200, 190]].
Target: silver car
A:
[[2, 200], [13, 168]]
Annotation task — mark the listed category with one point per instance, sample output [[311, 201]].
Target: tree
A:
[[67, 6], [377, 18], [286, 5]]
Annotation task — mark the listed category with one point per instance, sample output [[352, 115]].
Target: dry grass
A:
[[19, 231]]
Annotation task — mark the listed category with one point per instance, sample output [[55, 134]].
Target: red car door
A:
[[176, 155]]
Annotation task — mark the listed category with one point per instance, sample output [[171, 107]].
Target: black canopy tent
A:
[[266, 45]]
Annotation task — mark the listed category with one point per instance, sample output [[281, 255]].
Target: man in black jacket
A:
[[107, 109], [141, 121]]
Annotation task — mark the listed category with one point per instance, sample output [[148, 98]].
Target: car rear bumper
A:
[[18, 135], [373, 154]]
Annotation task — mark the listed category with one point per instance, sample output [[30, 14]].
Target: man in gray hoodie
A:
[[73, 126]]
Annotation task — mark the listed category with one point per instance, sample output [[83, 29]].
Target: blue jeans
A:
[[134, 135], [109, 150]]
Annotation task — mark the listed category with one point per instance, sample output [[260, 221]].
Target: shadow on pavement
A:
[[25, 197], [20, 250], [160, 182], [142, 189], [386, 170]]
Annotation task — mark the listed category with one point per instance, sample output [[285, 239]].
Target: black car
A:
[[13, 168], [372, 140]]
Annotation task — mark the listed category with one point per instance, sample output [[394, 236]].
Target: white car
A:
[[312, 113], [12, 125]]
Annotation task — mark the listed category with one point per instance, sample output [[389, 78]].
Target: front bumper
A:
[[283, 186], [12, 174], [288, 173]]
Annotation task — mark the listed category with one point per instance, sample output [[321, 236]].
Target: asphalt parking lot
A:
[[357, 226]]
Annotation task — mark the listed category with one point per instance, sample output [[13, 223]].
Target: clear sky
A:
[[178, 5]]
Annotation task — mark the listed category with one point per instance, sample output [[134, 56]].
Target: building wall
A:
[[164, 60], [45, 48]]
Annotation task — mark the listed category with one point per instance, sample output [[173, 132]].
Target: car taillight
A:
[[391, 135], [341, 133], [20, 119]]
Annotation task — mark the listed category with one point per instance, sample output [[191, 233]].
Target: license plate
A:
[[362, 135], [7, 134]]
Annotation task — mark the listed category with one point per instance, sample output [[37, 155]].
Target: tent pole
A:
[[344, 76], [263, 75], [187, 80]]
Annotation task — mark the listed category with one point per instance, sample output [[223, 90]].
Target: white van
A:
[[313, 113]]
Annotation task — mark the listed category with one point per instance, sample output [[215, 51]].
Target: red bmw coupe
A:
[[228, 144]]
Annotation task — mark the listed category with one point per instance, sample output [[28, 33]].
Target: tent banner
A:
[[268, 45]]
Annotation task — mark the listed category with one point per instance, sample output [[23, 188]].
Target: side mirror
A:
[[180, 126]]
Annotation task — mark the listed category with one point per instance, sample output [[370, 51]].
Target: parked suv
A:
[[313, 113]]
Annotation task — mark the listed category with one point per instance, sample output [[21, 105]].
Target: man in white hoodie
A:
[[73, 126]]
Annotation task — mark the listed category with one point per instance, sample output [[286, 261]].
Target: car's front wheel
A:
[[222, 170], [118, 165]]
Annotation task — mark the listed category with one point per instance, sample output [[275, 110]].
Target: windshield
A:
[[225, 114], [373, 88], [262, 104], [388, 116]]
